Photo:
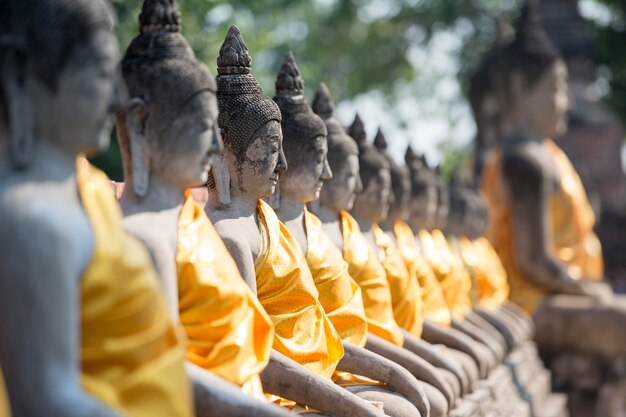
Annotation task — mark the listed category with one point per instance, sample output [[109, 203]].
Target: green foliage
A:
[[610, 42]]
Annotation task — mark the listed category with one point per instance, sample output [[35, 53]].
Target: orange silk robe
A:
[[406, 295], [434, 303], [492, 285], [131, 356], [571, 220], [4, 400], [340, 295], [369, 273], [455, 281], [287, 292], [228, 331]]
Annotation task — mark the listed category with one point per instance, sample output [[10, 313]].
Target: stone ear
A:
[[221, 176], [19, 109], [137, 114]]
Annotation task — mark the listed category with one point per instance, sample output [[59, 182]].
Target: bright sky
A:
[[439, 112]]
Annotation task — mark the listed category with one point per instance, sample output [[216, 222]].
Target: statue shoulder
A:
[[527, 163], [44, 225]]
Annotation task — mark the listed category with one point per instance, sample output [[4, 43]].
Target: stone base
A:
[[596, 386]]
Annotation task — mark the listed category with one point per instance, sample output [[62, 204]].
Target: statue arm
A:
[[162, 256], [456, 340], [40, 321], [216, 397], [398, 367], [241, 253], [290, 380], [529, 191], [433, 356]]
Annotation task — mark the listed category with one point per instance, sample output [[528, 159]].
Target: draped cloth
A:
[[131, 356], [571, 222], [455, 281], [369, 273], [434, 303], [287, 292], [406, 294], [229, 334], [491, 286], [4, 400], [339, 294]]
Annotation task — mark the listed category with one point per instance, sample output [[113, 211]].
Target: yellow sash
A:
[[571, 221], [406, 295], [434, 303], [132, 358], [286, 290], [455, 282], [339, 294], [367, 271], [575, 242], [229, 333], [4, 400], [491, 283]]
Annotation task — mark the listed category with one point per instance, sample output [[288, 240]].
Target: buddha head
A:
[[460, 221], [533, 79], [168, 129], [58, 82], [304, 137], [484, 91], [373, 202], [339, 192], [249, 121], [423, 196], [400, 182]]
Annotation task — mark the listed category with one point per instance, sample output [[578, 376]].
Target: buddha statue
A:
[[490, 283], [306, 347], [541, 220], [305, 147], [4, 401], [336, 197], [74, 326], [437, 327], [172, 95]]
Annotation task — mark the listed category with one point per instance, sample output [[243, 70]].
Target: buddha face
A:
[[400, 206], [543, 106], [340, 192], [185, 161], [258, 171], [308, 171], [374, 201], [423, 204], [77, 115]]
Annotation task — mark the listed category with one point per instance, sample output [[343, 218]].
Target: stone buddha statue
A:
[[305, 146], [437, 328], [306, 346], [172, 95], [77, 311], [466, 225], [541, 220]]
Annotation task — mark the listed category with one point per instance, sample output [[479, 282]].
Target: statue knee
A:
[[394, 404], [438, 404]]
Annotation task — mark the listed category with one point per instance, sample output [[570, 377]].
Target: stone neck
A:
[[244, 204], [325, 214], [160, 196], [365, 224], [387, 224], [290, 208], [49, 163]]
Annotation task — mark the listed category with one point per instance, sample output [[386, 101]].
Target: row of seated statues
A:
[[261, 259]]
